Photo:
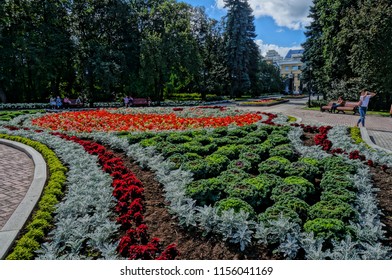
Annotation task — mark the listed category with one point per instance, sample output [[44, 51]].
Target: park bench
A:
[[348, 106], [74, 104], [140, 101]]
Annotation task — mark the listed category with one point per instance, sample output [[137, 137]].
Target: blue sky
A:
[[280, 24]]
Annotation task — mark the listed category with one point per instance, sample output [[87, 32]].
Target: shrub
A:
[[327, 229], [276, 211], [239, 132], [232, 175], [311, 161], [338, 193], [231, 151], [178, 138], [248, 140], [216, 163], [206, 191], [134, 138], [192, 156], [333, 180], [331, 209], [198, 167], [223, 141], [274, 165], [203, 139], [296, 204], [337, 164], [278, 139], [293, 186], [220, 131], [236, 204], [251, 157], [285, 150], [242, 164], [302, 169], [261, 134], [255, 190], [149, 142], [178, 160], [260, 150]]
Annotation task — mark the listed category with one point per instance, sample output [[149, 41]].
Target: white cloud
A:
[[288, 13], [281, 50]]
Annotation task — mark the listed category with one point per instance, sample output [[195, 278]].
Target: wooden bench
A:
[[140, 101], [328, 107], [74, 103], [348, 106]]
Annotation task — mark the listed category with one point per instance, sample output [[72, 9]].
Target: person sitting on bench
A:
[[340, 102]]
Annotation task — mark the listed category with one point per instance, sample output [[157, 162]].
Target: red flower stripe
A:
[[128, 190]]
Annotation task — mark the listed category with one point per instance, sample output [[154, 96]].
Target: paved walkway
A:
[[16, 175]]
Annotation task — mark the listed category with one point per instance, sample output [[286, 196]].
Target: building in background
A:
[[290, 68]]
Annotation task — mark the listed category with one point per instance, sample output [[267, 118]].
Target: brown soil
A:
[[383, 181]]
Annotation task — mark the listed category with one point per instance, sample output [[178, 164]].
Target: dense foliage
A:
[[348, 47], [103, 50]]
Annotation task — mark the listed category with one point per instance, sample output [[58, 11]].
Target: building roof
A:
[[294, 53]]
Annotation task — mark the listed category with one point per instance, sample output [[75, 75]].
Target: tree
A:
[[368, 31], [239, 35]]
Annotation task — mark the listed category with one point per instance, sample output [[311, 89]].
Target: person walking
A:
[[363, 105]]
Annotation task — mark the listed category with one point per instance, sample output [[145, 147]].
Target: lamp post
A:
[[291, 81], [310, 83]]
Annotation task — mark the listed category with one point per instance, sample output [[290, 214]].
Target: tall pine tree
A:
[[240, 45]]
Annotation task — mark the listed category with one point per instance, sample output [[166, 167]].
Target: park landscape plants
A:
[[286, 232]]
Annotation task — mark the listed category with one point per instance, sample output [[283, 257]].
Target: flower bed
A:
[[263, 102], [109, 121], [293, 198]]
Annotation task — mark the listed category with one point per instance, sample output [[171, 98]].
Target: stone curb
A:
[[15, 223], [366, 138]]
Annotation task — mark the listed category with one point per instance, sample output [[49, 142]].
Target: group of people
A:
[[128, 101], [363, 104], [59, 103]]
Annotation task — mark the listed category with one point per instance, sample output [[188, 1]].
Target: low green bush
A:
[[332, 180], [242, 164], [232, 175], [278, 139], [332, 209], [284, 150], [248, 140], [231, 151], [178, 138], [251, 157], [277, 211], [178, 160], [198, 167], [216, 163], [296, 204], [261, 134], [236, 204], [337, 164], [238, 132], [274, 165], [206, 191], [303, 169], [339, 193], [326, 228], [293, 186]]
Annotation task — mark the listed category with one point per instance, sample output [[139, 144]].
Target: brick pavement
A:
[[16, 174]]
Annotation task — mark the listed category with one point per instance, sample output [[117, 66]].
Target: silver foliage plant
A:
[[84, 216]]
